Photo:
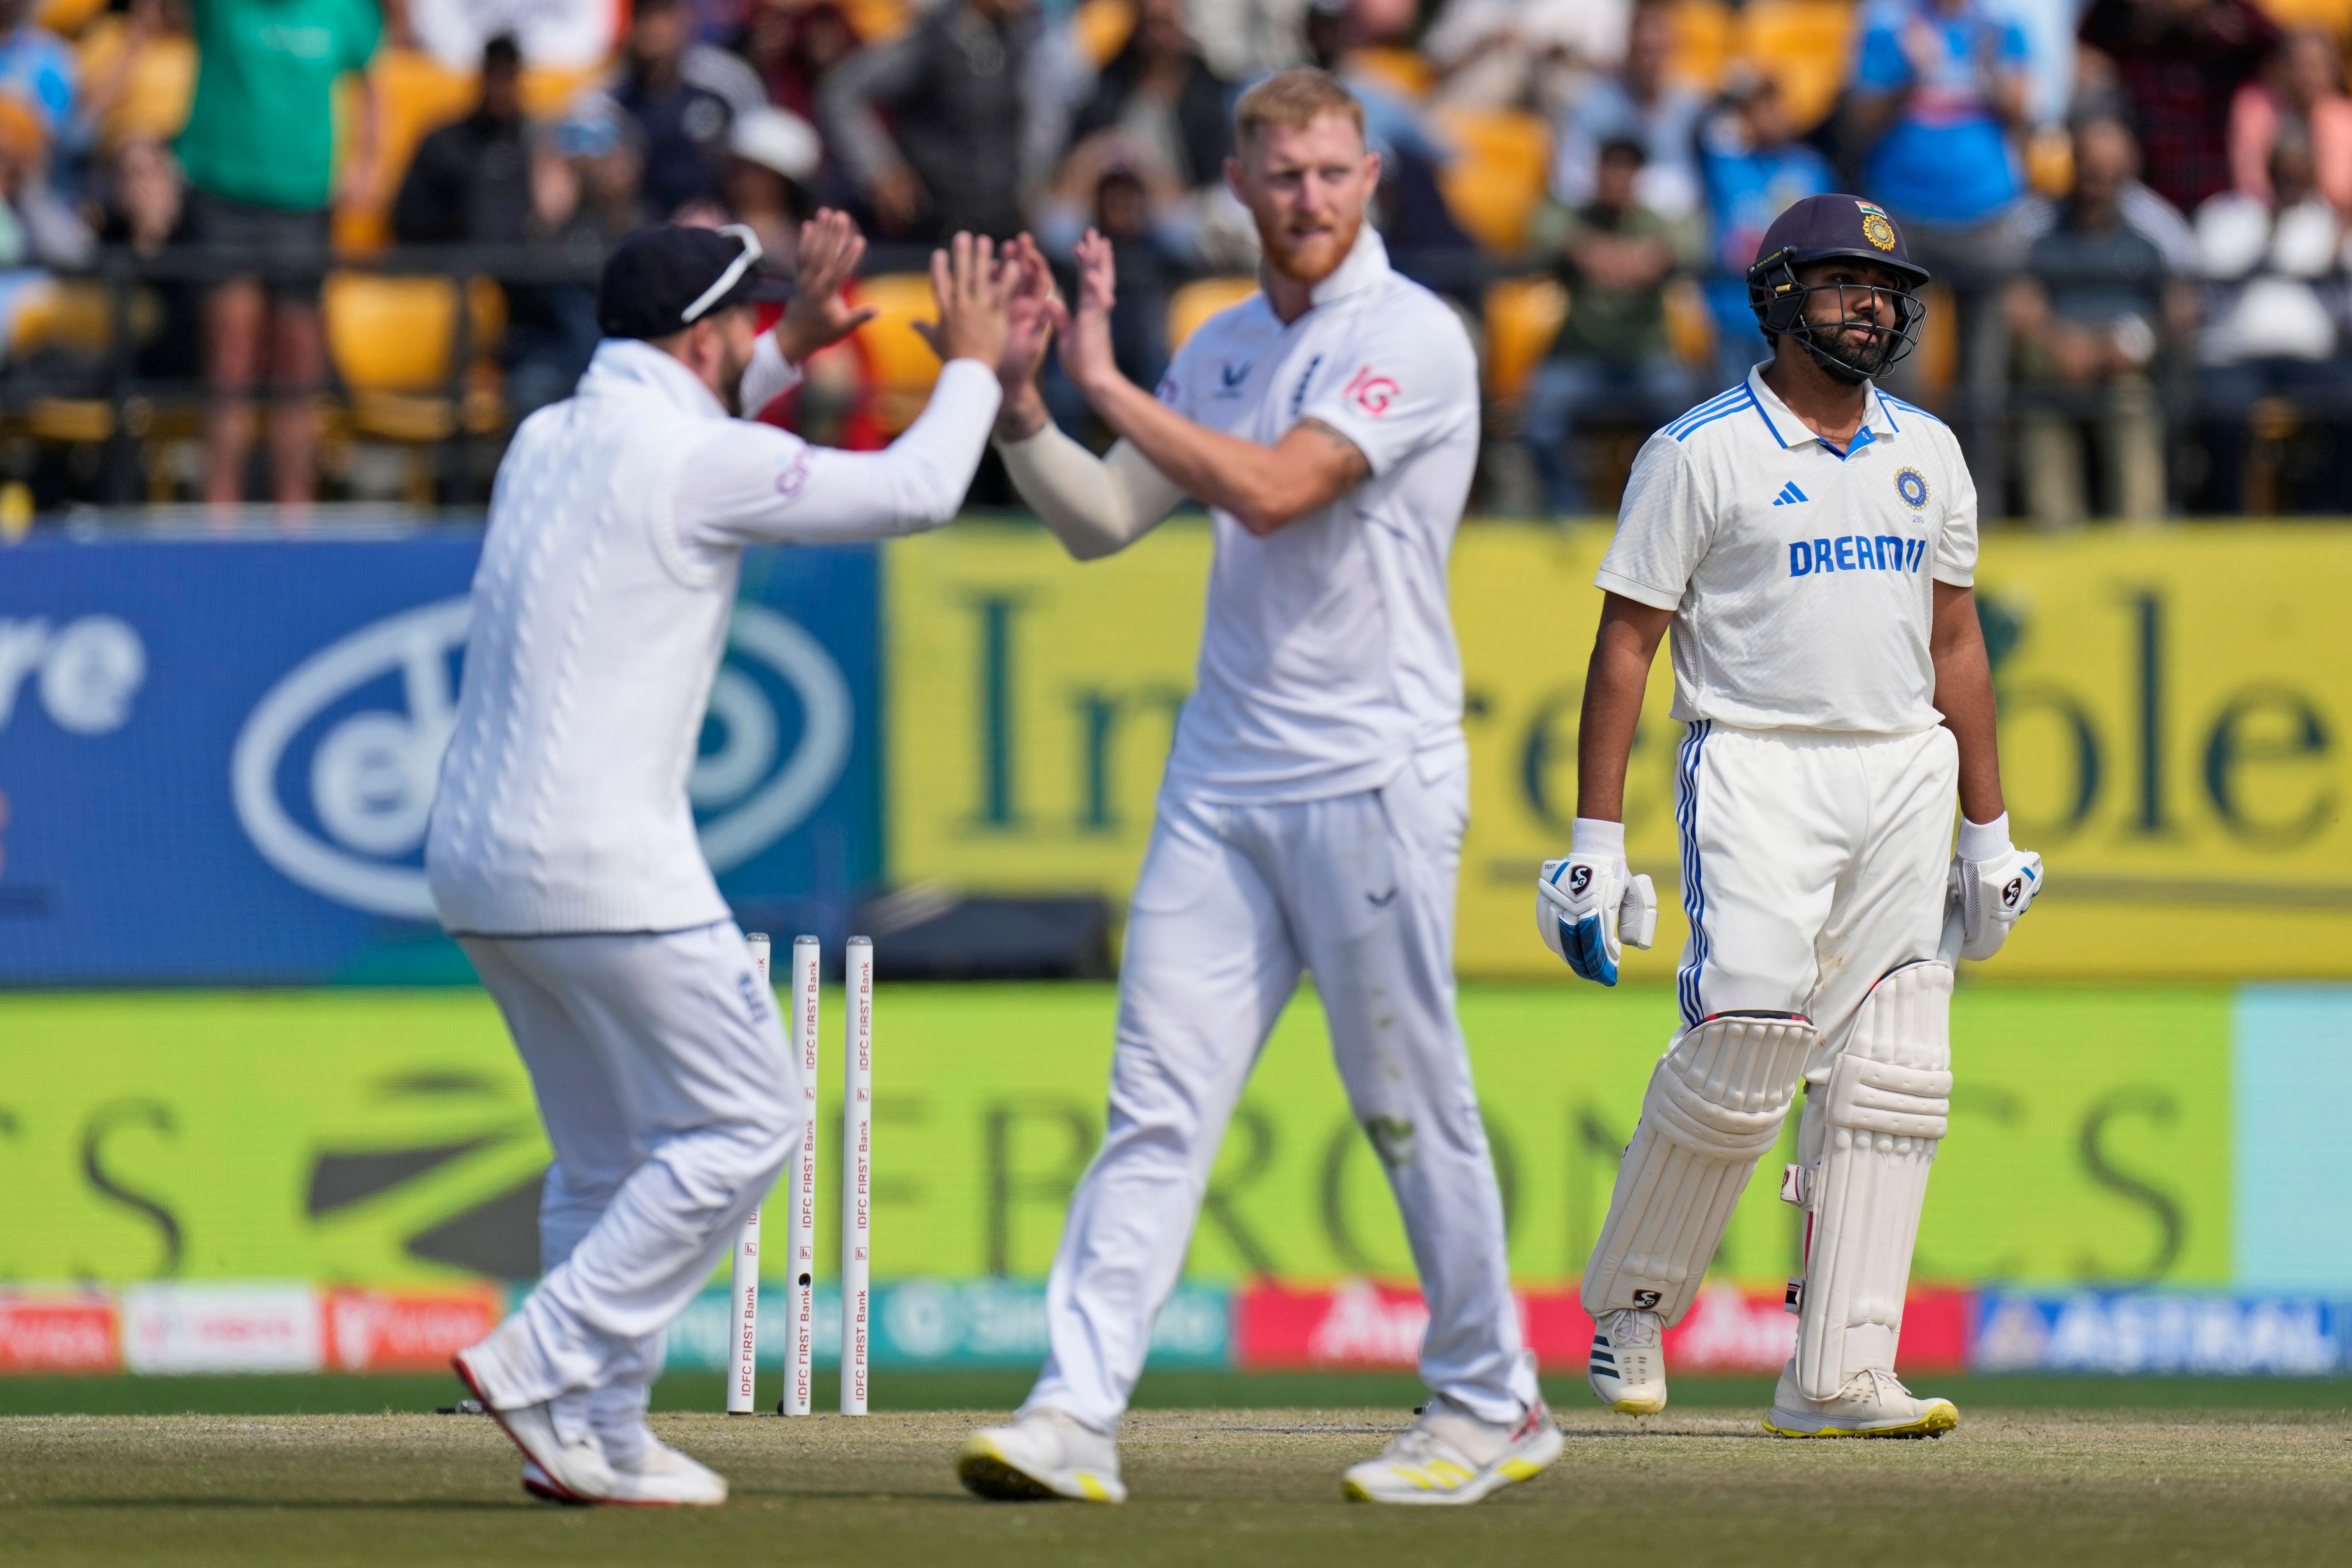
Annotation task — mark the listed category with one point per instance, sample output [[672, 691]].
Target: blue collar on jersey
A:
[[1877, 418]]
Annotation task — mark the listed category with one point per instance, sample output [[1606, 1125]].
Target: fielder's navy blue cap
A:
[[663, 280], [1819, 228]]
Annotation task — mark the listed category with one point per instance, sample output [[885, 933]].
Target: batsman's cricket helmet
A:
[[1829, 229]]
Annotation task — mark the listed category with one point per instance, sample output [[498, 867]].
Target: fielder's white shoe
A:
[[657, 1475], [1044, 1453], [574, 1469], [1449, 1455], [1628, 1369], [1873, 1403]]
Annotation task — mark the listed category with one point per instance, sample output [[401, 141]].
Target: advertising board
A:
[[2172, 730], [217, 756]]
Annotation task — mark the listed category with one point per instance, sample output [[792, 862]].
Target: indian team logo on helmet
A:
[[1913, 488], [1874, 226]]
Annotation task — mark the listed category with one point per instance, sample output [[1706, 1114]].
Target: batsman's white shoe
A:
[[657, 1477], [1628, 1369], [1449, 1455], [1044, 1453], [1872, 1404], [574, 1469]]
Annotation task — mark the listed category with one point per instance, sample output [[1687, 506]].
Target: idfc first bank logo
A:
[[334, 772]]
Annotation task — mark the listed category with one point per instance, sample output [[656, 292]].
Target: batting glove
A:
[[1591, 906], [1992, 884]]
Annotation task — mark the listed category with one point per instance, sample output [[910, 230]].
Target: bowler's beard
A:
[[1285, 261]]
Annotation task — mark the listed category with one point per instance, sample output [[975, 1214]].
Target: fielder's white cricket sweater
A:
[[601, 608]]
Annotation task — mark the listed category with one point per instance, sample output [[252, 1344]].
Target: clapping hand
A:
[[830, 250]]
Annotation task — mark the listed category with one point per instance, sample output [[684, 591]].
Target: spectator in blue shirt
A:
[[1637, 103], [1938, 104], [38, 66], [41, 69], [1755, 169]]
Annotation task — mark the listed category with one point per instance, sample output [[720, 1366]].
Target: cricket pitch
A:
[[1227, 1487]]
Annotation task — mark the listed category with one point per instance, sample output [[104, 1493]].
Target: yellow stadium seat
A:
[[1690, 325], [2334, 16], [546, 89], [419, 94], [878, 21], [1407, 72], [901, 364], [2049, 161], [1703, 42], [154, 102], [1805, 46], [1195, 302], [1523, 316], [65, 313], [1101, 28], [67, 18], [1501, 160], [391, 339]]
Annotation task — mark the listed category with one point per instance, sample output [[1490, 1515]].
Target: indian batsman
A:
[[1812, 540], [1311, 816], [562, 852]]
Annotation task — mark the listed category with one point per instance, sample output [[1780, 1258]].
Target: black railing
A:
[[1980, 413]]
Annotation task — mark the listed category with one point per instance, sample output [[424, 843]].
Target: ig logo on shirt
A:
[[333, 773]]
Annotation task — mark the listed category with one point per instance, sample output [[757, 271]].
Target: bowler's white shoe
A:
[[1449, 1455], [1044, 1453], [1872, 1404], [657, 1475], [1628, 1368], [573, 1466]]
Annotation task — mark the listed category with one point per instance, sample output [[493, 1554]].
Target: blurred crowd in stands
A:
[[2136, 210]]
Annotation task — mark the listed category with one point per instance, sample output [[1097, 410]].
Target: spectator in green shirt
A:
[[260, 156], [1616, 257]]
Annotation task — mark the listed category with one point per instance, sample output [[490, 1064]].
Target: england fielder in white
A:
[[1811, 541], [562, 852], [1312, 812]]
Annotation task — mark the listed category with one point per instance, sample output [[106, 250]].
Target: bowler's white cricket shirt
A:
[[1328, 659], [1799, 573]]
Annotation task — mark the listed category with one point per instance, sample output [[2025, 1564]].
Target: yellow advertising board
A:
[[2172, 732]]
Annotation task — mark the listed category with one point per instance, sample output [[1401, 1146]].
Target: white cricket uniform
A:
[[1816, 786], [1310, 820], [562, 852]]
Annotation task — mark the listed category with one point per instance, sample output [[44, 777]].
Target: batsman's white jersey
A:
[[562, 849], [1311, 819], [1815, 788], [1815, 795]]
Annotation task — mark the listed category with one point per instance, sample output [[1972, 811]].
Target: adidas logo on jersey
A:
[[1790, 495]]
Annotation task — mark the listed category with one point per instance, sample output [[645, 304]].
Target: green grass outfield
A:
[[2150, 1473]]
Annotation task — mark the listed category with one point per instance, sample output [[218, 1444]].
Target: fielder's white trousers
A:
[[1233, 902], [1812, 864], [672, 1103]]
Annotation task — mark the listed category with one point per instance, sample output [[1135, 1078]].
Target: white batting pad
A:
[[1869, 1136], [1714, 1104]]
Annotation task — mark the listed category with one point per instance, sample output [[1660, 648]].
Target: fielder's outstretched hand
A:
[[830, 248], [1591, 907], [975, 300], [1086, 353], [1029, 334]]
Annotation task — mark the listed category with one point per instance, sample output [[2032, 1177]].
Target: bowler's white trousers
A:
[[1812, 864], [672, 1103], [1233, 902]]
